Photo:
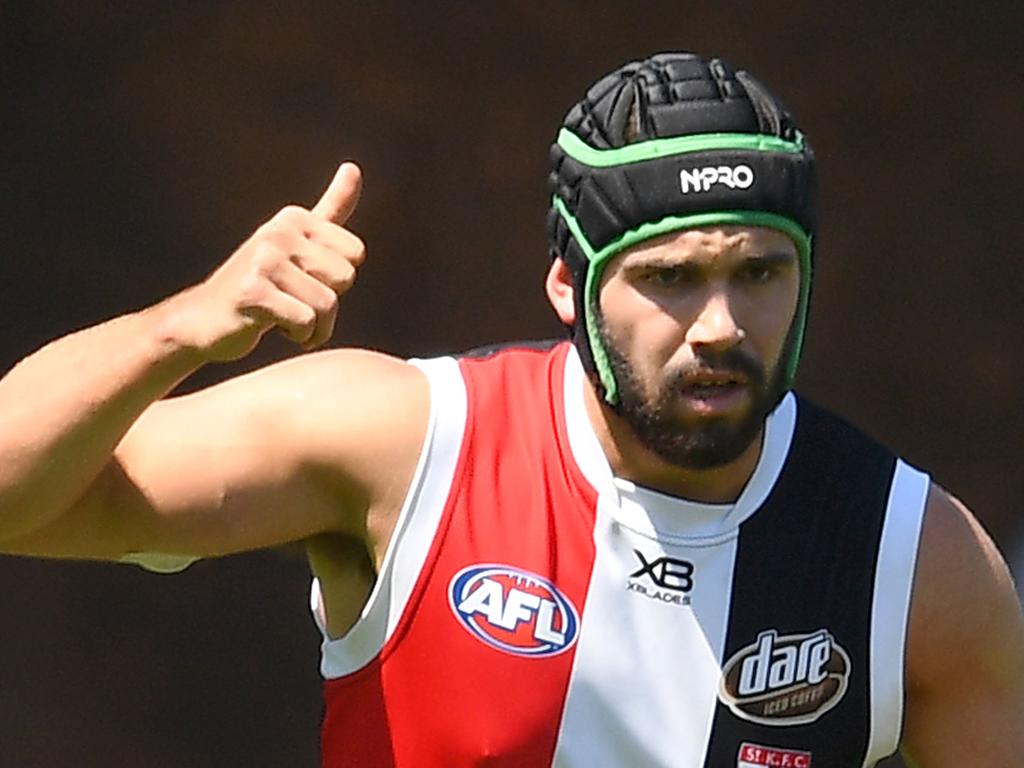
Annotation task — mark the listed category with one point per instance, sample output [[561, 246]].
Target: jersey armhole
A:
[[415, 528], [890, 608]]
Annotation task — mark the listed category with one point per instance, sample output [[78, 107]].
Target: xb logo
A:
[[666, 572]]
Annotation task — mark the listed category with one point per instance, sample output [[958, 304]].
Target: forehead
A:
[[709, 244]]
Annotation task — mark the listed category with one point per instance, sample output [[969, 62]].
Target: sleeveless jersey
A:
[[534, 610]]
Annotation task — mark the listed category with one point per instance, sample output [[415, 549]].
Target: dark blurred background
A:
[[141, 142]]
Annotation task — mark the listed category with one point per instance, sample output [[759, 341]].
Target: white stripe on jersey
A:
[[894, 578]]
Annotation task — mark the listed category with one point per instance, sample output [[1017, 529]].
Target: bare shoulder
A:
[[963, 590], [339, 383], [344, 407], [353, 420], [965, 648], [356, 408]]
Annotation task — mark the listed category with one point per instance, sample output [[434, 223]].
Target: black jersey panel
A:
[[796, 660]]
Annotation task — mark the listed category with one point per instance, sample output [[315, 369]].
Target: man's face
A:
[[695, 324]]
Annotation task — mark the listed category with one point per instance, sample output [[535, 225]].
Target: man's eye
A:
[[757, 272], [666, 277]]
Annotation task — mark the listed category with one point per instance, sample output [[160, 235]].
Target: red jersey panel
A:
[[476, 667]]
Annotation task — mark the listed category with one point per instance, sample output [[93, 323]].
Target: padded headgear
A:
[[669, 143]]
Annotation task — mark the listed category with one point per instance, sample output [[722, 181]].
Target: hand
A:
[[288, 274]]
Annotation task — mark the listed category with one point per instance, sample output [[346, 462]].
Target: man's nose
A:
[[715, 327]]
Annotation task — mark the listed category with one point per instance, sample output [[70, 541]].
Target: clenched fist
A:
[[288, 275]]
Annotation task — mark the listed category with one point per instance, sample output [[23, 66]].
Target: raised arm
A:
[[226, 469], [965, 653]]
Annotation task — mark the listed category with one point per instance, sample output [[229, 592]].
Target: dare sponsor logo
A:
[[513, 610], [757, 756], [785, 680]]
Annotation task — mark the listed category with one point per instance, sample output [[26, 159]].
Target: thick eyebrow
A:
[[767, 259], [657, 262]]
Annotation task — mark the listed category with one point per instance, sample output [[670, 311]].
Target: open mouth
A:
[[712, 389], [716, 389], [714, 385]]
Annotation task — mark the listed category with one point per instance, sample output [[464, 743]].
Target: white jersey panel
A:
[[645, 679]]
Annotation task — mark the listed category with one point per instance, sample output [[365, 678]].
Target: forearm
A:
[[64, 409]]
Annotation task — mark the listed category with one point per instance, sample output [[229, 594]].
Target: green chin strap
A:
[[599, 259]]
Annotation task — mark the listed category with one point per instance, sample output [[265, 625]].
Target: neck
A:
[[631, 460]]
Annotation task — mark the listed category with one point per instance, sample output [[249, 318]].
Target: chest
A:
[[550, 624], [548, 620]]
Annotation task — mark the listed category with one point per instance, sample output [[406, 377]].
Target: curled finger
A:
[[319, 297], [343, 242], [295, 319], [327, 266]]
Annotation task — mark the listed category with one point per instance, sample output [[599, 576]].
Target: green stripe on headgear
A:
[[653, 149]]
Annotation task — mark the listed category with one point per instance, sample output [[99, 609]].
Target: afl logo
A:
[[513, 610]]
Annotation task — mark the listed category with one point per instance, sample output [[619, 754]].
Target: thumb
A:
[[342, 194]]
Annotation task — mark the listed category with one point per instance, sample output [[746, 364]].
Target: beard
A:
[[701, 444]]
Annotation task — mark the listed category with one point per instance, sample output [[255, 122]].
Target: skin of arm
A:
[[65, 408], [304, 447], [965, 647], [93, 464]]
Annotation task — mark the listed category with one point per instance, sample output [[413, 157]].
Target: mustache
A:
[[732, 361]]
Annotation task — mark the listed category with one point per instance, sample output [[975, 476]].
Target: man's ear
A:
[[561, 292]]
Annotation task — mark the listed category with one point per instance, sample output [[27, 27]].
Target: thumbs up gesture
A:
[[288, 274]]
